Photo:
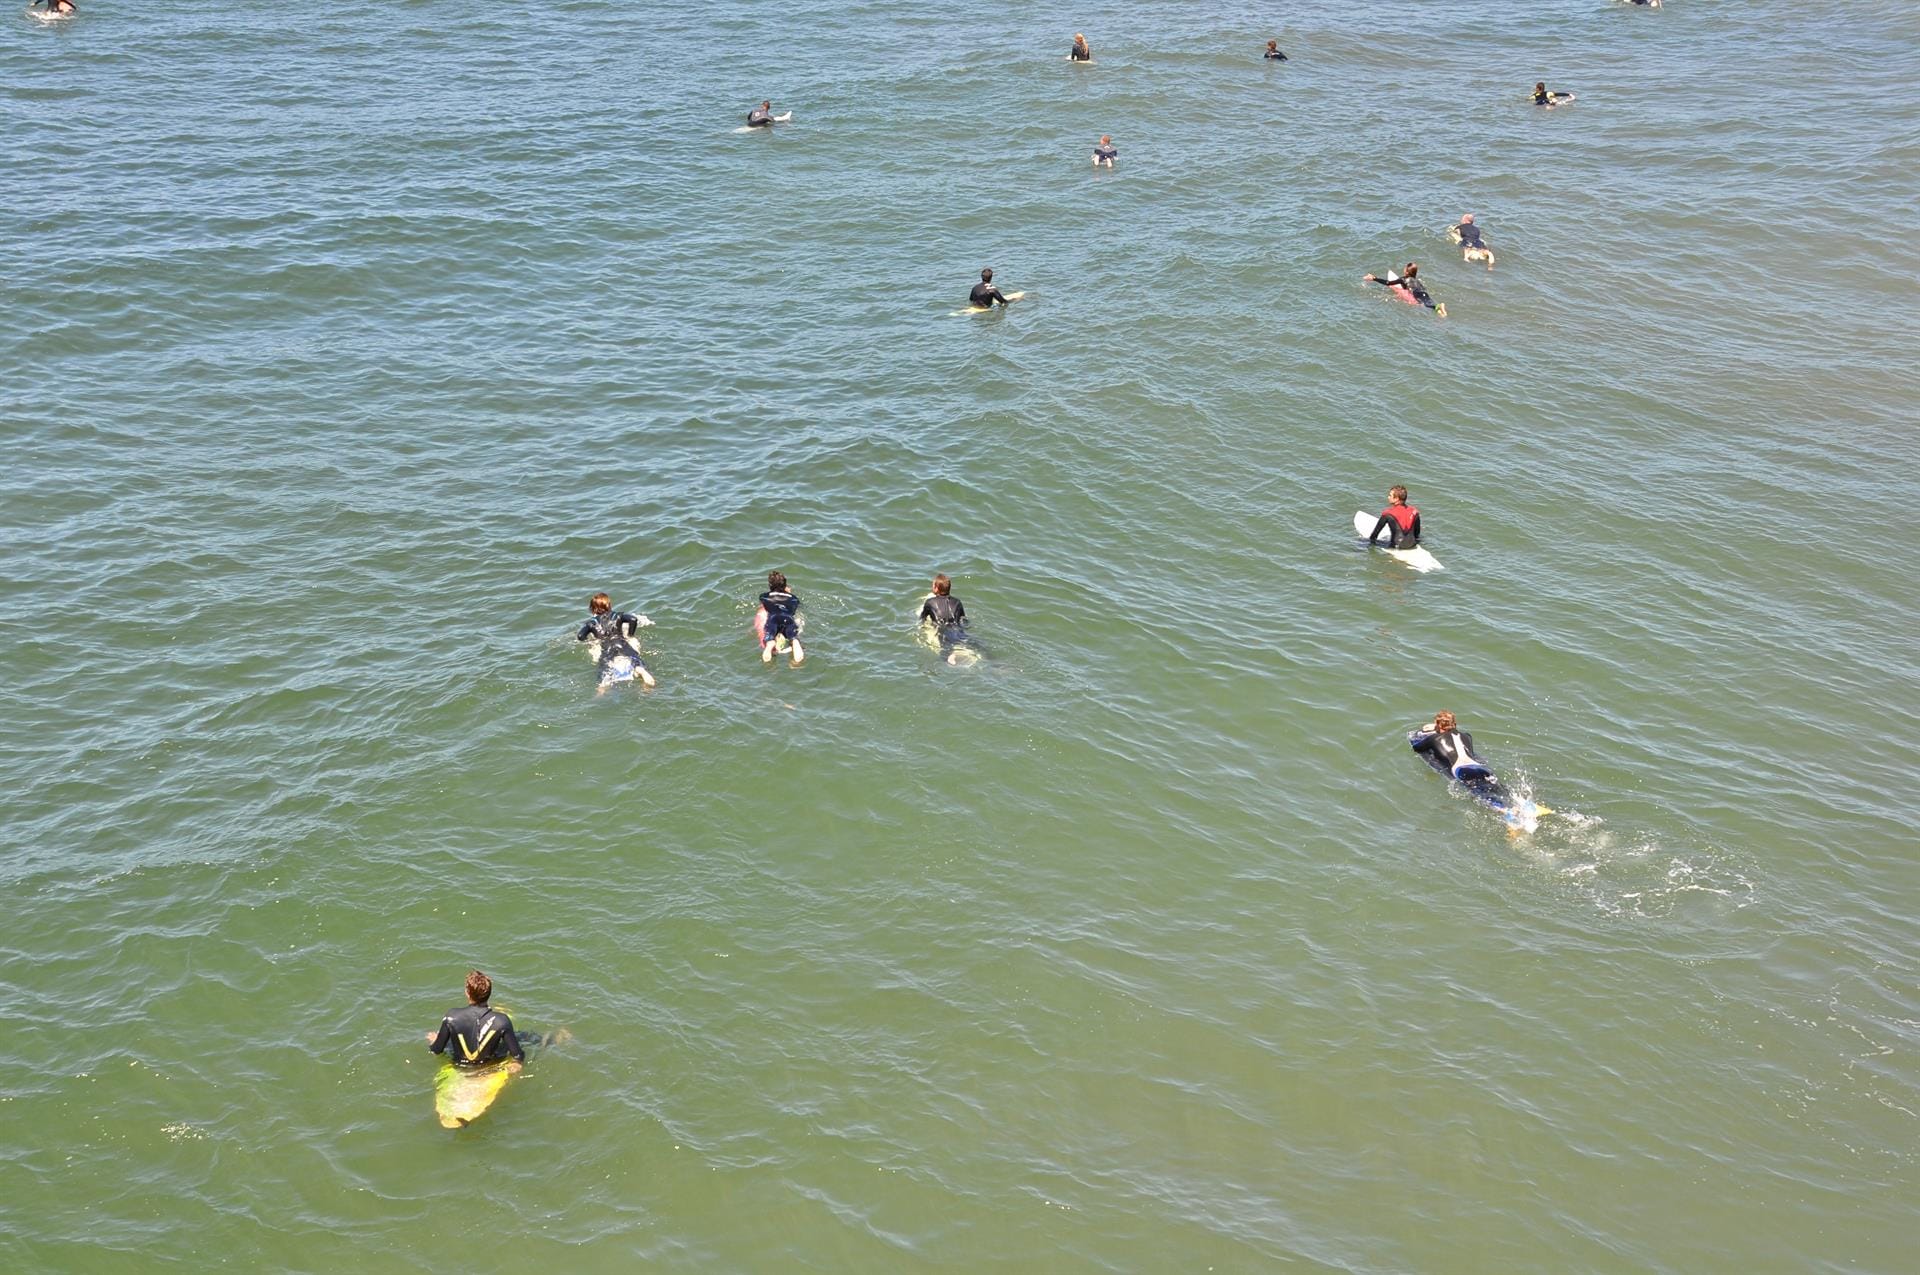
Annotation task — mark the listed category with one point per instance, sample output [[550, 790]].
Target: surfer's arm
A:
[[1378, 527], [437, 1041], [512, 1041], [1422, 739]]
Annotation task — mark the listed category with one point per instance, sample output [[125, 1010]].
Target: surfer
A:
[[482, 1034], [949, 618], [1273, 53], [1105, 152], [761, 116], [1467, 233], [782, 607], [1079, 52], [1408, 281], [984, 294], [1442, 741], [1399, 520], [614, 630], [1543, 98], [53, 6]]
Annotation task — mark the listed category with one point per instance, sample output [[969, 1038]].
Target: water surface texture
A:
[[349, 348]]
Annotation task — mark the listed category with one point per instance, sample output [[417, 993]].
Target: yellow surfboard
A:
[[461, 1095]]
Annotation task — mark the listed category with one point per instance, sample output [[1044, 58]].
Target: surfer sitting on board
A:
[[613, 630], [1079, 52], [984, 294], [1273, 53], [478, 1034], [1399, 520], [762, 116], [782, 607], [1443, 738], [1409, 282]]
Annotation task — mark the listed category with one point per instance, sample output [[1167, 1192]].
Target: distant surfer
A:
[[1541, 97], [1105, 152], [475, 1034], [984, 295], [780, 618], [949, 619], [53, 6], [1407, 283], [1273, 53], [614, 631], [1079, 52], [1399, 520], [762, 116], [1472, 246]]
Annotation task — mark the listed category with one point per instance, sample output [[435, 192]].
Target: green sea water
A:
[[349, 348]]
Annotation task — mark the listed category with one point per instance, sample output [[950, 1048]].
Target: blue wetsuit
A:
[[782, 615], [1469, 235]]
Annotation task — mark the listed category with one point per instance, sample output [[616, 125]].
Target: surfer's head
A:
[[1397, 495], [1078, 38], [766, 106], [776, 582], [942, 586], [1466, 219], [1541, 87], [599, 604], [479, 987], [1105, 140], [986, 276], [1413, 268], [1443, 721], [1272, 45]]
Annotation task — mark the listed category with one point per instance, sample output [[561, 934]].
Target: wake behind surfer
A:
[[984, 294], [619, 650], [476, 1035], [1399, 520]]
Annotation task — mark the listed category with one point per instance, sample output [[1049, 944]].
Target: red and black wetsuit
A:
[[1402, 523]]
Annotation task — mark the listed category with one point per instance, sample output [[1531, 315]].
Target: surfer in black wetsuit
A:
[[1273, 53], [53, 6], [949, 618], [1409, 280], [1399, 520], [1468, 232], [782, 606], [984, 294], [1543, 98], [1079, 52], [1106, 152], [1443, 741], [613, 630], [761, 116], [475, 1035]]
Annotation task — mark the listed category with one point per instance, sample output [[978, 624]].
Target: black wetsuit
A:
[[985, 294], [1413, 289], [1274, 55], [1397, 538], [759, 117], [614, 632], [944, 611], [474, 1035], [1469, 235], [1106, 154], [782, 615], [1451, 753], [1080, 53]]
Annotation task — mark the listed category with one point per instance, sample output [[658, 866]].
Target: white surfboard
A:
[[1417, 558]]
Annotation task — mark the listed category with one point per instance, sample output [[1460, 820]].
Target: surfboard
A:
[[461, 1095], [1418, 558]]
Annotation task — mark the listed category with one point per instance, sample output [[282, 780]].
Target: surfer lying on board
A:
[[949, 619], [1106, 152], [53, 6], [613, 630], [782, 607], [1543, 98], [1273, 53], [984, 294], [478, 1034], [1443, 738], [1399, 520], [1409, 283]]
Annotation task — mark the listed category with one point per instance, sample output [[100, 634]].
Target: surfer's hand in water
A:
[[1367, 278], [513, 1067], [430, 1036]]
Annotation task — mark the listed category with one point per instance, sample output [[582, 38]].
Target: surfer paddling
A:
[[1408, 286], [1273, 53], [1399, 520], [1542, 97], [476, 1035], [1106, 152], [949, 620], [53, 6], [619, 649], [779, 618]]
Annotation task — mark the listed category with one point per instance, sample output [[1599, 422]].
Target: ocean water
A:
[[349, 348]]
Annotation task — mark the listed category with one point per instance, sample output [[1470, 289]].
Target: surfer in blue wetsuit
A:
[[614, 631], [1399, 520], [782, 608], [1450, 749], [1273, 53], [475, 1034]]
